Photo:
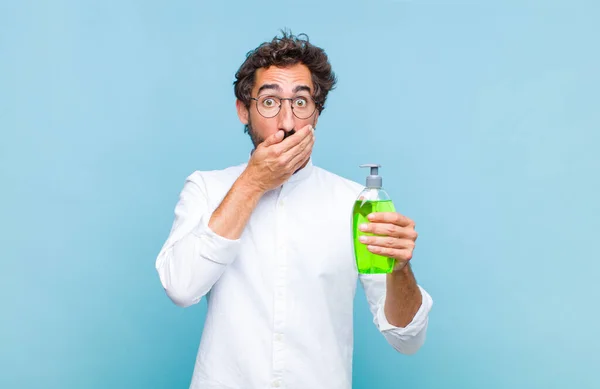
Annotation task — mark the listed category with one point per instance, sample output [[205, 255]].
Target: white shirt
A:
[[280, 298]]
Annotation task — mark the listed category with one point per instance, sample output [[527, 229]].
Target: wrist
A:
[[402, 272], [246, 184]]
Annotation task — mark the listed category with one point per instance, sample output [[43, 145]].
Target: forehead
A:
[[286, 77]]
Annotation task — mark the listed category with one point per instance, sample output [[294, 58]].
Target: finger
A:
[[387, 229], [294, 140], [399, 254], [300, 147], [391, 217], [303, 156], [274, 139], [388, 241]]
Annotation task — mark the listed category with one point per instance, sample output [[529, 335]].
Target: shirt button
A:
[[281, 204], [276, 384], [279, 337]]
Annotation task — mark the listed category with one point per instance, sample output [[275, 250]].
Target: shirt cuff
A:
[[215, 247], [417, 323]]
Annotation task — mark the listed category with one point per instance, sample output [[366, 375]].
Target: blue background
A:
[[484, 116]]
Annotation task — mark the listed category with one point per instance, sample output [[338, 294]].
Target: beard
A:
[[254, 137], [257, 139]]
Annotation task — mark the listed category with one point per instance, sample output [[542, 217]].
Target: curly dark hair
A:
[[283, 51]]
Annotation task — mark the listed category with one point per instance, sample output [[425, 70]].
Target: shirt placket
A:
[[278, 340]]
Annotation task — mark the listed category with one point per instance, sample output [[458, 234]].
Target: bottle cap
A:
[[374, 179]]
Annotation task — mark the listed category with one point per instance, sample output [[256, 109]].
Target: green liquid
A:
[[366, 261]]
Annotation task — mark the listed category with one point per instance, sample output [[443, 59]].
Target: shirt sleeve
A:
[[194, 257], [406, 340]]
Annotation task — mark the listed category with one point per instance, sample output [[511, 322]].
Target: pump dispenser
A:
[[372, 199]]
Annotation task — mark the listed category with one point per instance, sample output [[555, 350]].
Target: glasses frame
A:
[[282, 99]]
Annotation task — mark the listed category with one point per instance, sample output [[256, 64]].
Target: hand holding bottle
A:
[[394, 236]]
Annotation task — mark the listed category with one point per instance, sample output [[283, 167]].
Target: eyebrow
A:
[[301, 88], [269, 86], [278, 88]]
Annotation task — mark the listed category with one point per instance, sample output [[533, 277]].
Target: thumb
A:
[[274, 139]]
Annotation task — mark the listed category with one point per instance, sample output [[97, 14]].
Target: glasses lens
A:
[[268, 106], [303, 107]]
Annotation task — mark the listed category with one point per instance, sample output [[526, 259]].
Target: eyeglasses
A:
[[269, 106]]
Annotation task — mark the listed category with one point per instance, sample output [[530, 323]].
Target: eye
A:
[[300, 102], [269, 102]]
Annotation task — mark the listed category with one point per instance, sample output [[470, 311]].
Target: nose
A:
[[285, 119]]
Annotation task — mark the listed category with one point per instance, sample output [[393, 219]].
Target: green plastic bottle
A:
[[372, 199]]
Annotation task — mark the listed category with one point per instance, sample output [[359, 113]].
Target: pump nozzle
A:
[[374, 179], [374, 168]]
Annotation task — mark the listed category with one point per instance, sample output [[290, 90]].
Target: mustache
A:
[[290, 133]]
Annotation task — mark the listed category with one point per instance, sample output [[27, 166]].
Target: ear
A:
[[316, 119], [242, 111]]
